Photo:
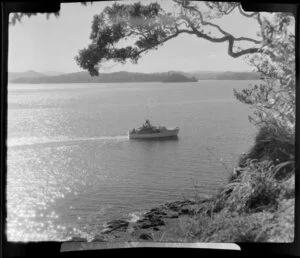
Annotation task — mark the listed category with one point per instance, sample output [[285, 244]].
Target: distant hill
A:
[[52, 73], [123, 77], [28, 74], [84, 77], [176, 77], [210, 75]]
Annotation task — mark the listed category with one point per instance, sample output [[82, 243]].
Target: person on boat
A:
[[147, 123]]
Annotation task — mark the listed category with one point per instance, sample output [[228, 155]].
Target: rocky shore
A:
[[238, 213], [151, 225]]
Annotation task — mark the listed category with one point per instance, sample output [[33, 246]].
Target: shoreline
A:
[[152, 222], [223, 218]]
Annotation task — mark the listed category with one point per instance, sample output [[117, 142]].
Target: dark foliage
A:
[[150, 27]]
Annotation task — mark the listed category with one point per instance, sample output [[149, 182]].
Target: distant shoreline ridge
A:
[[32, 77]]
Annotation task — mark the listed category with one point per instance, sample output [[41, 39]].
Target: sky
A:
[[50, 45]]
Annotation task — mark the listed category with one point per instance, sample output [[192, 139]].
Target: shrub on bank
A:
[[273, 142], [255, 189], [249, 207]]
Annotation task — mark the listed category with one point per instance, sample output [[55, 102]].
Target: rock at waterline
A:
[[186, 210], [172, 215], [151, 222], [98, 238], [77, 239], [145, 236], [115, 225], [156, 211], [153, 215]]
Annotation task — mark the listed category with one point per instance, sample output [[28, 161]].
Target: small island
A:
[[176, 77]]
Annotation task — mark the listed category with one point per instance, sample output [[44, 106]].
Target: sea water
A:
[[71, 166]]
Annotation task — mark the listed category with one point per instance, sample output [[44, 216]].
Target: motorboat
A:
[[148, 131]]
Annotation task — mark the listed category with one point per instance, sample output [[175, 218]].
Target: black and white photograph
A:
[[151, 121]]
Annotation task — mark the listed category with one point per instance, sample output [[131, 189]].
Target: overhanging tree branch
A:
[[187, 6], [153, 27], [249, 15], [228, 38]]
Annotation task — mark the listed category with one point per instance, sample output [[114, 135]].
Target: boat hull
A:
[[166, 134]]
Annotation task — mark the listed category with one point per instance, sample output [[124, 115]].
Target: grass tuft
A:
[[273, 142]]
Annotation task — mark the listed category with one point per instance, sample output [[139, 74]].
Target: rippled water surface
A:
[[71, 166]]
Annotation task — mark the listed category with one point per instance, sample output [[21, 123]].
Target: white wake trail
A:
[[24, 141]]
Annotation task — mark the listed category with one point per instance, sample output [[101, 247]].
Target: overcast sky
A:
[[51, 45]]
